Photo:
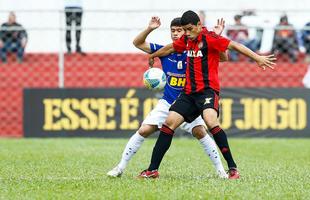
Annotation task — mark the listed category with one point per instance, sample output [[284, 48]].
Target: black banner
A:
[[115, 112]]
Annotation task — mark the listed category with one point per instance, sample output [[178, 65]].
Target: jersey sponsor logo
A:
[[194, 54], [176, 82]]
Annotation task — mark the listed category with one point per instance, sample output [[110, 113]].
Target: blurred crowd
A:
[[287, 43], [285, 40]]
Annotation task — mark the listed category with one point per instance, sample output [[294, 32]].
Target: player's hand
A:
[[154, 23], [266, 61], [151, 61], [218, 29], [1, 44]]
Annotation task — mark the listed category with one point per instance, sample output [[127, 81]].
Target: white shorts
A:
[[159, 114]]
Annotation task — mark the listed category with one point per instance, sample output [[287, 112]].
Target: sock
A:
[[161, 147], [210, 148], [221, 140], [133, 145]]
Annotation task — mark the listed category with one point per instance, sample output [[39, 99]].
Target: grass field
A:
[[76, 169]]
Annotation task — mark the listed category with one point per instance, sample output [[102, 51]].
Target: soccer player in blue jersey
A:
[[174, 66]]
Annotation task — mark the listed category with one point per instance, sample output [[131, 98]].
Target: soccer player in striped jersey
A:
[[174, 66], [201, 92]]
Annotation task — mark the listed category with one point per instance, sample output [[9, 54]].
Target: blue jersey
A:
[[174, 66]]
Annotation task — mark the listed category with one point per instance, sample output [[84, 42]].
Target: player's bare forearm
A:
[[243, 50], [140, 42], [164, 51], [262, 61]]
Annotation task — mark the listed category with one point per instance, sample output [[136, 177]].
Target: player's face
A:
[[176, 32], [192, 31]]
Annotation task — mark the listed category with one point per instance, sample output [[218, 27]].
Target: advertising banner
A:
[[118, 112]]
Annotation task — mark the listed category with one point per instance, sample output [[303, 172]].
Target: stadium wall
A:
[[114, 71]]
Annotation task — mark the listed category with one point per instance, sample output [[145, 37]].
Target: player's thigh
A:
[[174, 120], [208, 104], [208, 99], [186, 107], [210, 117], [158, 115]]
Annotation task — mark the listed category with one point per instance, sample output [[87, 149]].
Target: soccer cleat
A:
[[233, 173], [145, 174], [115, 172], [222, 174]]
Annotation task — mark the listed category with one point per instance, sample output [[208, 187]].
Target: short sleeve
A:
[[155, 47], [217, 42], [180, 44]]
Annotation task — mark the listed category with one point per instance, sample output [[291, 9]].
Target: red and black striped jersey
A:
[[203, 57]]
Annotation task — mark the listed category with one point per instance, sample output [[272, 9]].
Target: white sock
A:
[[133, 145], [209, 147]]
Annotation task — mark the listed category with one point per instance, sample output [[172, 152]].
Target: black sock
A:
[[161, 147], [220, 139]]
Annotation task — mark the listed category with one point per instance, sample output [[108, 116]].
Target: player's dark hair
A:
[[176, 22], [189, 17]]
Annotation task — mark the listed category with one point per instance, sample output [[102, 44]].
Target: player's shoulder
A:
[[211, 34]]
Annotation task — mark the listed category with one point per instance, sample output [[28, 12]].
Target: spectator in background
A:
[[285, 39], [202, 17], [13, 38], [74, 13], [306, 79], [239, 33], [306, 41]]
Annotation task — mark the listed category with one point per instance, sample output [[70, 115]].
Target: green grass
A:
[[76, 169]]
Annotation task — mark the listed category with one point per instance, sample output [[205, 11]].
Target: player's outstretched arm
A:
[[262, 61], [166, 50], [140, 42]]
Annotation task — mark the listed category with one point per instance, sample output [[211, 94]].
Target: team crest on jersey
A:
[[207, 101], [194, 54], [200, 45]]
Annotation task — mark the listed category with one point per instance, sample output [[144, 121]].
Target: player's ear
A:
[[199, 24]]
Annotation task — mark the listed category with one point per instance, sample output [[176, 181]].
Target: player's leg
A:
[[163, 142], [162, 145], [151, 123], [182, 109], [220, 137], [198, 130], [210, 111]]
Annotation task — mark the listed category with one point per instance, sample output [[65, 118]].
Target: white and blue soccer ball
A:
[[154, 79]]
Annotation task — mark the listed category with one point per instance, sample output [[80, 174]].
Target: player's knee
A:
[[145, 131], [171, 124], [199, 132], [210, 118], [174, 120]]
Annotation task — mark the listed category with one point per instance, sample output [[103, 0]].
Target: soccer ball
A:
[[154, 79]]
